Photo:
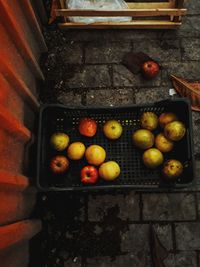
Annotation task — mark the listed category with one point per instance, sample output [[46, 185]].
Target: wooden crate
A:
[[151, 15]]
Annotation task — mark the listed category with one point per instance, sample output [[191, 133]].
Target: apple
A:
[[175, 130], [149, 121], [87, 127], [152, 158], [163, 144], [143, 139], [76, 150], [59, 141], [112, 129], [150, 69], [59, 164], [95, 155], [109, 170], [166, 117], [89, 175], [172, 169]]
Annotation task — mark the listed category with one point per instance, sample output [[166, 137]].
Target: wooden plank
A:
[[17, 232], [13, 181], [21, 88], [119, 13], [14, 126], [16, 33], [142, 24], [150, 5]]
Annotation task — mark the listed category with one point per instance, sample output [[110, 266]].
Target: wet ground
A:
[[83, 68]]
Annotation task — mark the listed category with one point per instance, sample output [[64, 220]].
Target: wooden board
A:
[[142, 24]]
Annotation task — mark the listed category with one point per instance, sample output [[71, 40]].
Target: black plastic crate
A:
[[134, 174]]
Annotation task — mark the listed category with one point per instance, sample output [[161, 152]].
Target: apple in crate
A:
[[109, 170], [76, 151], [112, 129], [95, 155], [87, 127], [89, 175], [59, 141], [59, 164], [150, 69]]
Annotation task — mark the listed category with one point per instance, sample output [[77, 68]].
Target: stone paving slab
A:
[[169, 207], [116, 97], [181, 259], [188, 236], [106, 52]]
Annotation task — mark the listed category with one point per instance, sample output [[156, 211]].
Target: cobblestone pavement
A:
[[83, 68]]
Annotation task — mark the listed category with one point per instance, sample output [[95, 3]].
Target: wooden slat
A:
[[18, 232], [119, 13], [142, 24], [14, 29], [13, 181], [18, 84], [14, 126], [150, 5]]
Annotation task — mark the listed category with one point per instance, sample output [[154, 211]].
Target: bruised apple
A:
[[112, 129], [175, 130], [149, 121], [172, 169], [95, 155], [163, 144], [109, 170], [76, 150], [59, 164], [152, 158], [143, 139], [166, 118]]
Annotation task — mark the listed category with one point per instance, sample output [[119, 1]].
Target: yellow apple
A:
[[175, 130], [152, 158], [112, 129], [59, 141], [95, 155], [143, 139], [166, 118], [149, 121], [109, 170], [76, 151]]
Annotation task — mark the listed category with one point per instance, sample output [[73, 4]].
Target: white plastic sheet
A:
[[97, 5]]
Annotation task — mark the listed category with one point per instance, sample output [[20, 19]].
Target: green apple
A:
[[112, 129], [59, 141]]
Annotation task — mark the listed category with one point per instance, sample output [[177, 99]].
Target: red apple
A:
[[89, 175], [87, 127], [150, 69], [59, 164]]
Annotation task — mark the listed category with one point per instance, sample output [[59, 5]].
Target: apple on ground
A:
[[76, 151], [59, 164], [89, 175], [150, 69], [87, 127], [112, 129], [59, 141]]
